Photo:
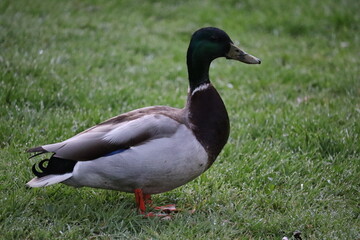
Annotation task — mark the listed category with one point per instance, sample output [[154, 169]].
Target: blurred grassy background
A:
[[292, 162]]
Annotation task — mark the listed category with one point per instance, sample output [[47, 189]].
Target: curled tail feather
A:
[[53, 165], [51, 171]]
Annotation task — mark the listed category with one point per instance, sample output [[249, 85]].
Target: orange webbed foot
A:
[[145, 199]]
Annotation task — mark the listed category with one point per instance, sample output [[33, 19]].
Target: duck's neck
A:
[[207, 115], [198, 69]]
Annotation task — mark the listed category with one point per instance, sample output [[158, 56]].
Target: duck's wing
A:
[[117, 134]]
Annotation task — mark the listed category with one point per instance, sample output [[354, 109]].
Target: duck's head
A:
[[211, 43], [208, 44]]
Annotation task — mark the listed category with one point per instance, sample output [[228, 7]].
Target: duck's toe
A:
[[170, 208]]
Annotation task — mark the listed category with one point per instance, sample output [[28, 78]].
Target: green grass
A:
[[292, 161]]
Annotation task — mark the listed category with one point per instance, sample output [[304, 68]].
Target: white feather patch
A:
[[48, 180], [201, 88]]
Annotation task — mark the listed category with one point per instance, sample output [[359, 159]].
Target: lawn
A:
[[292, 160]]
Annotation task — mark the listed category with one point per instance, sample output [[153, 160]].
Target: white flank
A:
[[48, 180], [201, 88], [158, 165]]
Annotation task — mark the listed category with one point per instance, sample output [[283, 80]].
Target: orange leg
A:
[[143, 199], [139, 198]]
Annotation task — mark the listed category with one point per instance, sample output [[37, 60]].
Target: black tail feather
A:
[[37, 154], [41, 165], [54, 166]]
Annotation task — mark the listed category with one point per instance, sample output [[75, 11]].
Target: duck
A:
[[154, 149]]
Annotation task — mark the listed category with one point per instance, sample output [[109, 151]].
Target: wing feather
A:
[[134, 128]]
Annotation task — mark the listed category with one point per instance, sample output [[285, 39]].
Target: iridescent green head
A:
[[206, 45]]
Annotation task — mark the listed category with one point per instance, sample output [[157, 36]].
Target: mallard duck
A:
[[154, 149]]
